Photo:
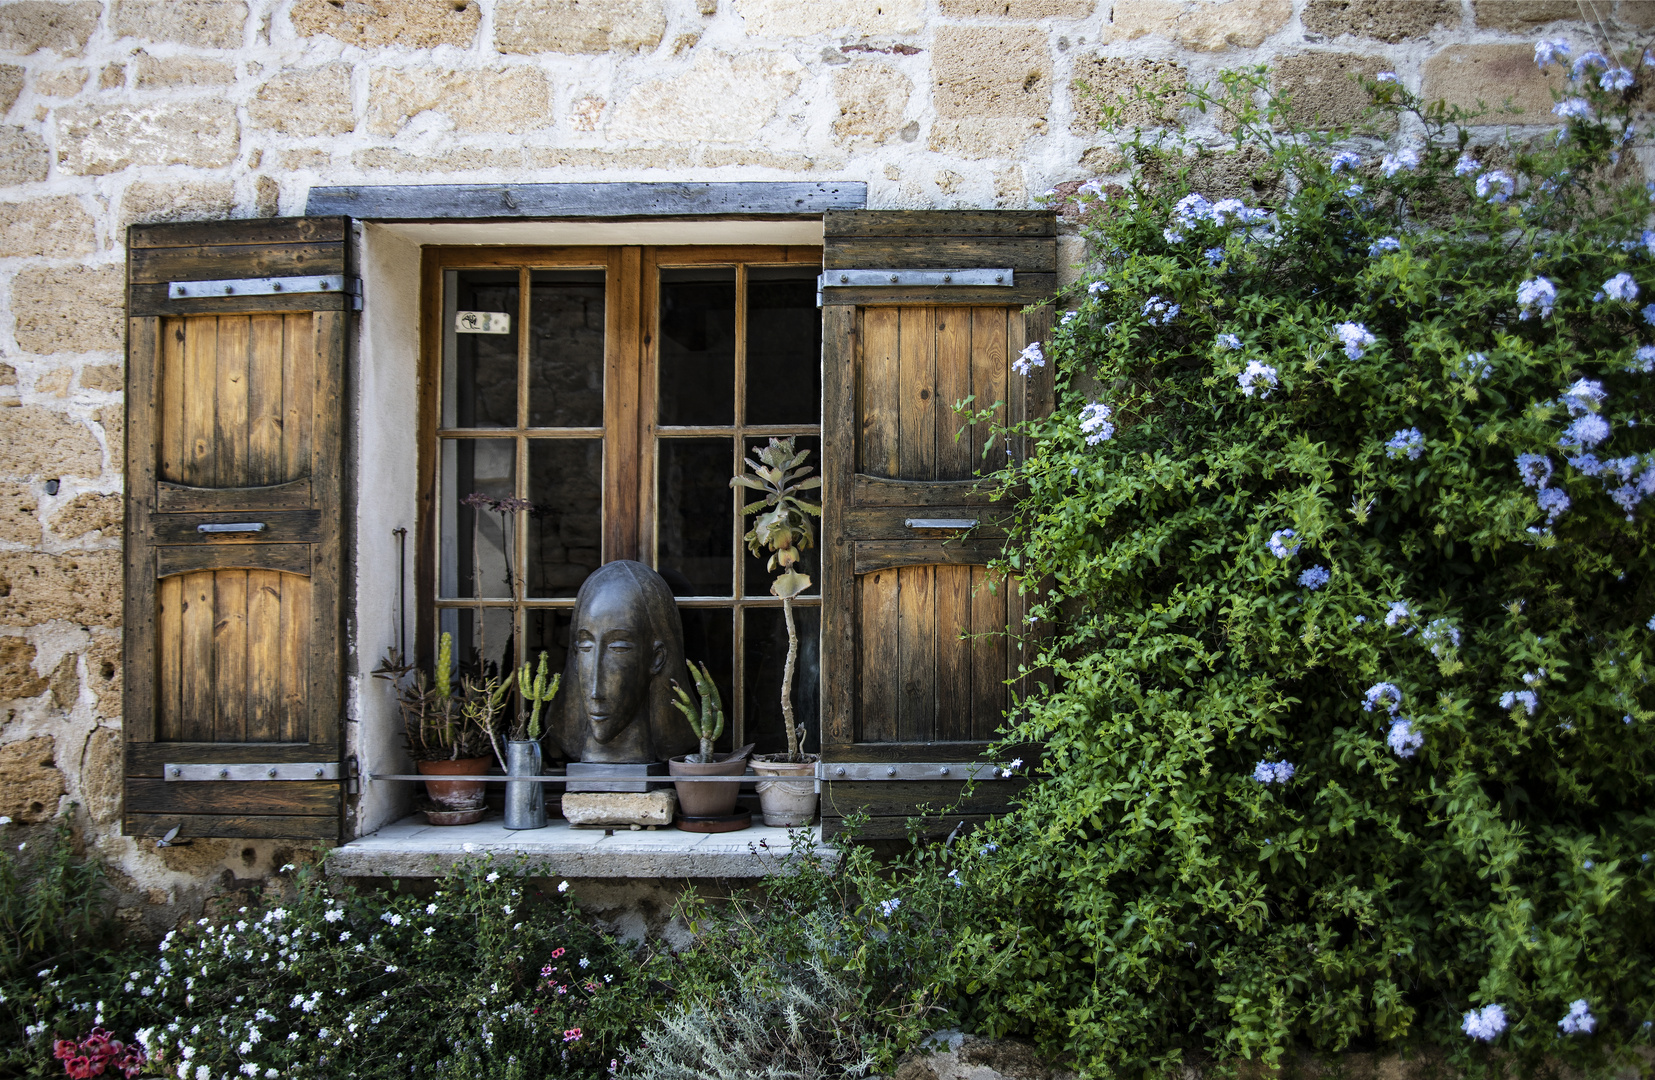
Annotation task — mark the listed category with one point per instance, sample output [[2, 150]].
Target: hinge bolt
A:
[[843, 278], [271, 773], [998, 278], [945, 770], [890, 770], [894, 279], [224, 774], [318, 774], [840, 771], [177, 771]]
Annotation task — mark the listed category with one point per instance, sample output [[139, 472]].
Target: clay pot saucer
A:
[[735, 822]]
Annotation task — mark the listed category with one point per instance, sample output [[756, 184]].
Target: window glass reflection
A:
[[784, 346], [474, 547], [566, 519], [479, 369], [566, 315], [697, 353]]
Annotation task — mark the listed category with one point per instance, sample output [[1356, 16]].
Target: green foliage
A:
[[55, 941], [536, 691], [706, 717], [1169, 886]]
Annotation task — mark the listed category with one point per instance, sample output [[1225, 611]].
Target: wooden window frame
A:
[[629, 433]]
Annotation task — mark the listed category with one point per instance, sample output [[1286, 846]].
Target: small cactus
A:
[[707, 718], [537, 691]]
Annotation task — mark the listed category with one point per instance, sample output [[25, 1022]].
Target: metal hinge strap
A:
[[267, 286], [841, 771], [287, 770]]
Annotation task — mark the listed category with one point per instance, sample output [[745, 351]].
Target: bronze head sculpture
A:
[[626, 646]]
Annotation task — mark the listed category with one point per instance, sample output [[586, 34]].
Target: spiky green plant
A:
[[706, 717], [536, 691]]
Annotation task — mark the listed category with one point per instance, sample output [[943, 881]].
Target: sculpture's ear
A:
[[659, 661]]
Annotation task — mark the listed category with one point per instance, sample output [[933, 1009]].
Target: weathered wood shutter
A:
[[916, 664], [233, 519]]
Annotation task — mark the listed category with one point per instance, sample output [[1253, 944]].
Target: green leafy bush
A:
[[1340, 534]]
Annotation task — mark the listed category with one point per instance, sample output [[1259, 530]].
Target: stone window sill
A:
[[410, 848]]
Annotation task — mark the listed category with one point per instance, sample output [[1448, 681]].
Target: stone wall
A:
[[122, 111]]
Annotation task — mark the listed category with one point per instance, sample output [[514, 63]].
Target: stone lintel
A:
[[438, 202], [412, 849]]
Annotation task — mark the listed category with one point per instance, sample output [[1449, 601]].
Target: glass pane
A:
[[784, 346], [709, 639], [566, 518], [766, 644], [548, 632], [698, 346], [566, 348], [475, 546], [756, 578], [695, 506], [494, 642], [479, 371]]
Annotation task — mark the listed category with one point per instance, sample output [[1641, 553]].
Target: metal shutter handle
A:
[[940, 523]]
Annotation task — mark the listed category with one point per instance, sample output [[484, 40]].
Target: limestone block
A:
[[306, 157], [160, 73], [18, 520], [39, 442], [511, 99], [1386, 20], [866, 18], [146, 201], [1010, 190], [113, 421], [112, 77], [595, 808], [30, 784], [409, 24], [100, 776], [991, 72], [204, 24], [83, 588], [1322, 87], [55, 382], [65, 681], [103, 673], [98, 139], [27, 26], [461, 159], [1636, 13], [11, 84], [585, 113], [1461, 75], [872, 99], [1521, 15], [17, 675], [267, 196], [309, 101], [88, 512], [988, 137], [720, 98], [66, 82], [1202, 25], [1106, 80], [68, 308], [23, 156], [1019, 9], [54, 228], [578, 26]]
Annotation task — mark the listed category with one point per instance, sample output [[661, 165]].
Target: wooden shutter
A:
[[233, 401], [916, 664]]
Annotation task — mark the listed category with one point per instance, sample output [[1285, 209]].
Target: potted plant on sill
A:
[[784, 528], [449, 732], [706, 717], [526, 802]]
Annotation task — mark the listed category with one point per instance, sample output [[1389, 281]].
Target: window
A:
[[615, 391]]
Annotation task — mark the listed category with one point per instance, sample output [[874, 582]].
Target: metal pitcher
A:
[[525, 800]]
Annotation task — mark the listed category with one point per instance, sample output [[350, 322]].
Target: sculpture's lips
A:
[[597, 717]]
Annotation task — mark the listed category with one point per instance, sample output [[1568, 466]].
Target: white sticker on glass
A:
[[481, 322]]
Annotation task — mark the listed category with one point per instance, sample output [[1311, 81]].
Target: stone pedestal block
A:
[[608, 809]]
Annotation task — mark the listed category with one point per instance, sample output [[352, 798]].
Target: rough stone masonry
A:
[[121, 111]]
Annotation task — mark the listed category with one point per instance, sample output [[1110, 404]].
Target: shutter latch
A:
[[287, 770], [889, 279], [268, 286]]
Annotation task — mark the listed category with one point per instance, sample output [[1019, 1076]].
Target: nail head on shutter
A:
[[225, 773]]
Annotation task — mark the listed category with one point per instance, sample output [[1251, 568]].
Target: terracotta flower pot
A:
[[708, 800], [456, 794], [787, 803]]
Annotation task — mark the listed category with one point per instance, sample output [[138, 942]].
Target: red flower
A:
[[64, 1049], [558, 952]]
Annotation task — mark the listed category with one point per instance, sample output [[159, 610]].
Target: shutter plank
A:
[[954, 457], [223, 262], [196, 707], [147, 796], [230, 655], [839, 587], [928, 253], [326, 658], [200, 401], [295, 658], [877, 604], [264, 656], [264, 401], [880, 414], [230, 418], [169, 620], [171, 418], [916, 648], [916, 393], [954, 653], [298, 396], [181, 559], [267, 231], [989, 371], [939, 225], [991, 660], [147, 759]]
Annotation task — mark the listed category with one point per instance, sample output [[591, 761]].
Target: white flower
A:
[[333, 914], [1487, 1023], [1355, 338], [430, 909], [1536, 293], [429, 930], [1030, 358], [1496, 185], [392, 917], [1385, 77], [1579, 1020], [1466, 165], [1094, 423], [1573, 108], [203, 1073], [564, 887], [1401, 161], [1403, 739], [1068, 317], [1279, 546], [469, 849], [248, 1068], [1017, 763], [1257, 372]]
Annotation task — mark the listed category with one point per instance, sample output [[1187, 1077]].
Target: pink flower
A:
[[572, 1035]]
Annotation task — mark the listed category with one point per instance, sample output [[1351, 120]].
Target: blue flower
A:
[[1355, 338], [1030, 358], [1587, 61], [1466, 165], [1397, 614], [1314, 578], [1553, 501], [1526, 698], [1535, 469], [1573, 108], [1486, 1024], [1643, 360], [1440, 636], [1385, 77], [1407, 443], [1403, 739], [1496, 186], [1649, 314], [1097, 288], [1588, 430], [1344, 161], [1619, 287], [1279, 543], [1382, 693], [1159, 312], [1401, 161], [1215, 255], [1615, 79], [1473, 366], [1537, 293], [1353, 191], [1230, 341], [887, 908], [1584, 396], [1257, 372], [1547, 52], [1382, 245], [1579, 1019], [1094, 423], [1273, 772]]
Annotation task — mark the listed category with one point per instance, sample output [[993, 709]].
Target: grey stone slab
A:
[[411, 848], [438, 202]]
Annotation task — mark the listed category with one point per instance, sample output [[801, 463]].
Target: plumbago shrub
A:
[[1343, 521]]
